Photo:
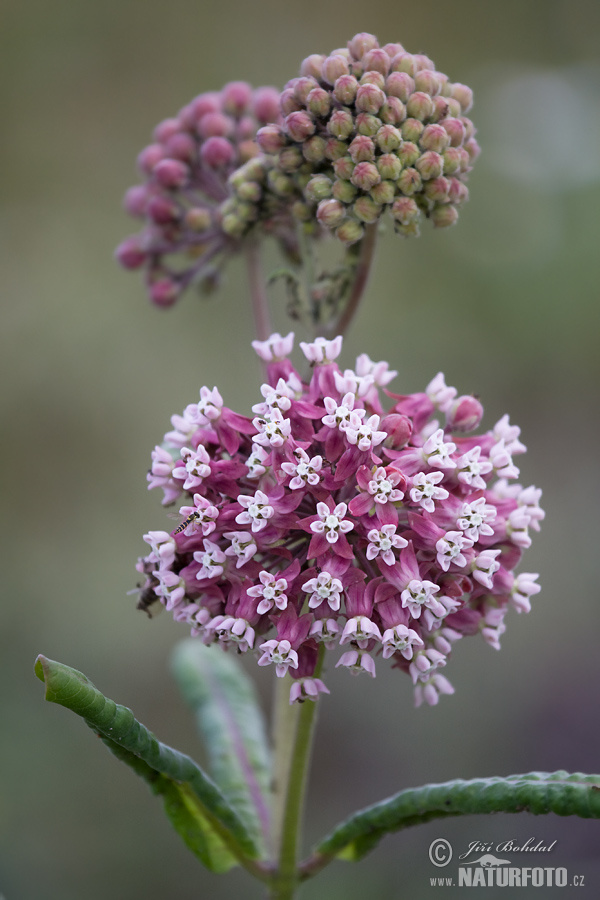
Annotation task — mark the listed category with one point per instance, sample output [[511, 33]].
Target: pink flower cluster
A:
[[186, 172], [324, 518]]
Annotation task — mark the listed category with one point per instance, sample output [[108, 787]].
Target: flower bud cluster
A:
[[325, 519], [369, 129], [187, 236]]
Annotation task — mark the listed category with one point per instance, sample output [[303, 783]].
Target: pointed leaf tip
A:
[[39, 667]]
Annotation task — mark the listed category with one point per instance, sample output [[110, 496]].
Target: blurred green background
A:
[[506, 304]]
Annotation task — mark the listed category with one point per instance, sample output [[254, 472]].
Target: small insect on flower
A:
[[193, 516]]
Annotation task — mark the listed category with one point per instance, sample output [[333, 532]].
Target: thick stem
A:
[[363, 268], [292, 762], [260, 305]]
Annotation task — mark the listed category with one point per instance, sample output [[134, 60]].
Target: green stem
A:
[[363, 267], [293, 749], [260, 305]]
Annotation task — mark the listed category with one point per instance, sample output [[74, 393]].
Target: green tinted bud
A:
[[361, 44], [388, 138], [412, 130], [335, 149], [389, 166], [469, 128], [318, 102], [369, 98], [430, 165], [318, 188], [452, 158], [280, 184], [383, 193], [410, 230], [408, 153], [423, 62], [404, 62], [434, 137], [350, 231], [344, 167], [362, 149], [405, 210], [311, 66], [314, 149], [341, 124], [464, 95], [393, 112], [375, 78], [233, 225], [250, 191], [419, 106], [365, 176], [459, 192], [400, 85], [428, 81], [367, 124], [440, 109], [198, 219], [302, 212], [344, 191], [454, 107], [473, 149], [302, 88], [302, 178], [409, 182], [444, 215], [345, 88], [437, 189], [331, 213], [290, 159]]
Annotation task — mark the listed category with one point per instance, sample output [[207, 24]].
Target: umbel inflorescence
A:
[[323, 518]]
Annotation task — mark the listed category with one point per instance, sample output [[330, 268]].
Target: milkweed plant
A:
[[337, 522]]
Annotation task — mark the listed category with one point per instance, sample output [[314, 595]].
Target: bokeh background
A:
[[506, 304]]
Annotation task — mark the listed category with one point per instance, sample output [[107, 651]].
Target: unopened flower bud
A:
[[411, 229], [465, 414], [265, 104], [335, 149], [464, 95], [398, 428], [473, 149], [345, 88], [367, 124], [341, 124], [443, 216], [373, 78], [135, 201], [281, 185], [344, 191], [376, 60], [250, 192], [333, 68], [149, 157], [313, 149], [452, 158], [236, 97], [388, 138], [383, 193], [162, 211], [361, 44], [302, 212], [408, 153], [365, 176], [318, 102], [198, 219], [344, 167], [312, 66], [393, 111], [288, 102], [437, 189], [430, 165], [455, 129], [440, 109], [217, 152], [458, 192], [409, 181], [290, 159], [404, 62], [400, 85], [434, 137], [318, 188], [166, 129], [423, 62], [299, 126], [270, 139], [350, 231], [171, 173], [389, 166], [130, 253], [404, 210], [362, 149], [164, 292], [302, 88], [369, 98], [412, 130], [215, 125], [428, 82], [419, 106], [331, 213], [366, 210]]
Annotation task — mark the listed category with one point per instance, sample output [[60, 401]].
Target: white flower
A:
[[332, 524]]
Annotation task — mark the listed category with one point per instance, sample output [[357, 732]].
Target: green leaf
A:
[[538, 793], [231, 722], [196, 806]]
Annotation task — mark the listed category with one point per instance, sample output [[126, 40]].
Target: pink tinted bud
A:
[[205, 103], [236, 97], [166, 129], [369, 98], [437, 189], [270, 139], [423, 62], [408, 153], [181, 146], [365, 176], [420, 106], [361, 43], [331, 213], [464, 95], [149, 157], [345, 88], [312, 66], [171, 173], [405, 210], [288, 103], [473, 149], [401, 85], [350, 232], [430, 165], [362, 149], [335, 149], [215, 125], [428, 81], [299, 126], [136, 200], [164, 292], [367, 124], [217, 152], [333, 68], [409, 181], [465, 414], [265, 104], [376, 60], [375, 78], [393, 111], [302, 88], [444, 216], [130, 254], [434, 137], [392, 50], [198, 219], [458, 192], [398, 428], [455, 129], [341, 124], [318, 102], [404, 62], [162, 210], [440, 109]]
